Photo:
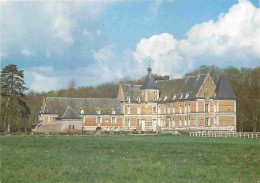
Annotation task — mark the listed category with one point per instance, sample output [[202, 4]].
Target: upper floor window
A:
[[128, 109], [168, 109], [138, 110], [174, 97], [206, 107], [187, 95], [98, 120], [113, 120], [206, 121], [159, 109], [154, 110], [189, 107], [138, 122]]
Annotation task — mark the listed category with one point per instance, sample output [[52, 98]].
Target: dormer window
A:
[[165, 98], [82, 111], [187, 95], [113, 111], [98, 111], [139, 99], [174, 97], [181, 96], [129, 99]]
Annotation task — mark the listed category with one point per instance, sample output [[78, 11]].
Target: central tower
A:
[[150, 89]]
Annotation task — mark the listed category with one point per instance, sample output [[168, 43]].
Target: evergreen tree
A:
[[13, 105]]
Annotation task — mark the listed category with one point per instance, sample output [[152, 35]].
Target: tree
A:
[[13, 105]]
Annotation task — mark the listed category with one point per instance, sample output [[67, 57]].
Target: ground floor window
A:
[[138, 122], [180, 122], [98, 120]]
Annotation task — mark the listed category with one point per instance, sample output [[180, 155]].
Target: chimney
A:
[[43, 102], [187, 76], [131, 83], [166, 77]]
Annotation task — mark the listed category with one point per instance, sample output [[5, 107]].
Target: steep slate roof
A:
[[132, 91], [69, 113], [55, 105], [149, 82], [224, 89], [180, 87]]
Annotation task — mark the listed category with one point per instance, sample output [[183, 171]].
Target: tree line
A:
[[20, 110]]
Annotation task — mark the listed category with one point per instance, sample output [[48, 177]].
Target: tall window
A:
[[206, 107], [159, 109], [128, 109], [128, 121], [173, 122], [138, 110], [138, 122], [168, 109], [113, 111], [189, 107], [154, 109], [180, 122], [185, 121], [113, 120], [180, 108], [98, 120], [206, 121]]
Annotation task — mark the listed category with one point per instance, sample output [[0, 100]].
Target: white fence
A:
[[226, 134]]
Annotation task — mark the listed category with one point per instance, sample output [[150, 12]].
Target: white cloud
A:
[[44, 83], [99, 33], [154, 6], [234, 37], [104, 54], [27, 52]]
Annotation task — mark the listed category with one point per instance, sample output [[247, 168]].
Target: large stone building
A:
[[191, 103]]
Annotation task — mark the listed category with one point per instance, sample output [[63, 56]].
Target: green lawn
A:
[[129, 159]]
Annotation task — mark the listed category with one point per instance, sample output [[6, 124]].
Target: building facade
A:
[[192, 103]]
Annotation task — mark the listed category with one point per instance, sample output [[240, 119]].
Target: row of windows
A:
[[167, 109], [113, 120]]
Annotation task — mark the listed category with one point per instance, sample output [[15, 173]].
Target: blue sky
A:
[[99, 41]]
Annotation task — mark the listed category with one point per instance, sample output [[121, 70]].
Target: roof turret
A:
[[149, 82]]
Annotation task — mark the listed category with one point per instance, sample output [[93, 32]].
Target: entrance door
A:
[[143, 125]]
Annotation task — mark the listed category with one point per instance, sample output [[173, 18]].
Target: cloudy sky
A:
[[99, 41]]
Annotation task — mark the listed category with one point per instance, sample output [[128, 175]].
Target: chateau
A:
[[192, 103]]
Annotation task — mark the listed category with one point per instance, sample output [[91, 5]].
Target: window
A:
[[174, 97], [138, 110], [187, 95], [154, 109], [106, 120], [180, 122], [168, 123], [168, 109], [98, 120], [185, 121], [154, 92], [98, 111], [138, 122], [189, 122], [113, 111], [206, 121], [206, 107], [82, 111], [128, 109], [73, 127], [128, 121], [189, 107], [159, 109], [113, 120], [173, 122], [180, 108], [69, 126]]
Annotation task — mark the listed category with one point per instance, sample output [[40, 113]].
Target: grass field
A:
[[129, 159]]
